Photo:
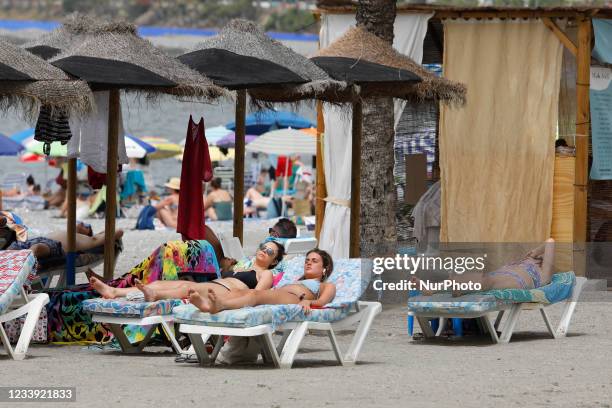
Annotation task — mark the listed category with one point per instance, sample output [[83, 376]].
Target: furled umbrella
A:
[[243, 58], [111, 56]]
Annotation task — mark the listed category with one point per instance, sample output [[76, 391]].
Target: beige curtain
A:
[[497, 153]]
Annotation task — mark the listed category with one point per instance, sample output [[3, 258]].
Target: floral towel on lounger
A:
[[172, 260]]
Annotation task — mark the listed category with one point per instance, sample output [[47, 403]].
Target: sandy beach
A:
[[531, 371]]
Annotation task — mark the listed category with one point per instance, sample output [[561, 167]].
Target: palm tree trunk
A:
[[378, 199]]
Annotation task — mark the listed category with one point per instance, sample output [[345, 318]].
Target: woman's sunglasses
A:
[[267, 250]]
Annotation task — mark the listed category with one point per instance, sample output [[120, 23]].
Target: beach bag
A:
[[13, 328], [145, 218]]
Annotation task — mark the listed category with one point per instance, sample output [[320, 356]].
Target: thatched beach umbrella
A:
[[377, 70], [111, 56], [28, 82], [242, 57], [246, 38], [358, 47], [72, 30]]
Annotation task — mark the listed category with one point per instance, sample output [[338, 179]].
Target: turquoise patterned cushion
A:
[[15, 267], [445, 303], [127, 308], [351, 277], [559, 289], [255, 316]]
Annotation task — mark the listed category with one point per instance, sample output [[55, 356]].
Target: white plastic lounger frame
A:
[[293, 334], [506, 328], [48, 276], [165, 321], [31, 306]]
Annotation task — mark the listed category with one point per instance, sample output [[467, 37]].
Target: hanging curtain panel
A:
[[497, 153], [409, 35]]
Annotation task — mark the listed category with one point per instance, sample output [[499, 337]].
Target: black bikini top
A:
[[249, 278]]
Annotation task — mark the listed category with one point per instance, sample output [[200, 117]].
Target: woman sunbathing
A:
[[311, 290], [533, 271], [55, 243], [256, 275]]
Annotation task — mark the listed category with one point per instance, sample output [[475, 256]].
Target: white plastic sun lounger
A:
[[565, 289], [351, 277], [15, 267]]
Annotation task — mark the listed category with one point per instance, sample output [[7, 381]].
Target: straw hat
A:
[[174, 183]]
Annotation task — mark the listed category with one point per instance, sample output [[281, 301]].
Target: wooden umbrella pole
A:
[[354, 249], [239, 164], [583, 119], [321, 190], [111, 183], [71, 221]]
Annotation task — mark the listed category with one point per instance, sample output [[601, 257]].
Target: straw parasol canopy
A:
[[364, 48], [246, 38], [48, 45], [27, 82], [111, 55]]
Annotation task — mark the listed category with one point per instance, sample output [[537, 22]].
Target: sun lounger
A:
[[50, 268], [15, 268], [117, 312], [564, 288], [351, 277]]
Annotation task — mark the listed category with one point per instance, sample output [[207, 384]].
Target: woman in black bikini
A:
[[257, 276]]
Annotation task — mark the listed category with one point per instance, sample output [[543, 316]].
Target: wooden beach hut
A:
[[567, 216]]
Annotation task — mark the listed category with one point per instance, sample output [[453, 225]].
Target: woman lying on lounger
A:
[[533, 271], [53, 244], [311, 290], [258, 276]]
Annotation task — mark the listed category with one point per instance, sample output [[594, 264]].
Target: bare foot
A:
[[216, 303], [118, 234], [149, 294], [103, 289], [198, 301], [91, 274]]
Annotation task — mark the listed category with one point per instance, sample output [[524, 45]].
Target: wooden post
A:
[[354, 249], [71, 221], [111, 183], [583, 119], [239, 164], [321, 189]]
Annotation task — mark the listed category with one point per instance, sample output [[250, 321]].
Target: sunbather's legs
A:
[[217, 303], [108, 292], [548, 261], [83, 242], [177, 289]]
